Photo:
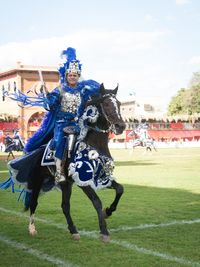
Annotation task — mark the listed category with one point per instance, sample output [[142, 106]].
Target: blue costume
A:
[[65, 105]]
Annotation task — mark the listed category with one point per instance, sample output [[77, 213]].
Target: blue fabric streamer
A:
[[25, 197], [9, 183], [6, 184]]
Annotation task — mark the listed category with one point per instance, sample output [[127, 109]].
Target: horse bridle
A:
[[99, 102]]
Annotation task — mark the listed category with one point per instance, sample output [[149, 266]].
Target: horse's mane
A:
[[94, 126]]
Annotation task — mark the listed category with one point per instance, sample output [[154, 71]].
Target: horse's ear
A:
[[116, 89], [102, 89]]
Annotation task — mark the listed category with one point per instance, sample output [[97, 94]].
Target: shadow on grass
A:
[[139, 206]]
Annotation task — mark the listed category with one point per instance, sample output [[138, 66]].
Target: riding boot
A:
[[59, 176], [71, 141]]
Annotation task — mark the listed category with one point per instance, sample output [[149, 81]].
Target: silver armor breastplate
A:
[[70, 102]]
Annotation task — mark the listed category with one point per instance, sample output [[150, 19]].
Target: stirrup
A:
[[59, 178]]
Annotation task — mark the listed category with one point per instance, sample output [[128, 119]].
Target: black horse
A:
[[103, 117]]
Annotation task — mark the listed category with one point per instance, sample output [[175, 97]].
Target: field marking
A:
[[150, 252], [121, 228], [145, 226], [133, 247], [35, 252], [4, 171]]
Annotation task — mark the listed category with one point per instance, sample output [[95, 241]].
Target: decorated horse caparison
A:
[[90, 166]]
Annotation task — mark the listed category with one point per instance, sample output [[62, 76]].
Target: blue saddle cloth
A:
[[90, 167], [24, 169]]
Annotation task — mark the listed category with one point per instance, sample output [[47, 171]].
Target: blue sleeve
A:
[[53, 99]]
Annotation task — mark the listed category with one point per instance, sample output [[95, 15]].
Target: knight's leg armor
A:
[[59, 176], [67, 153], [71, 141]]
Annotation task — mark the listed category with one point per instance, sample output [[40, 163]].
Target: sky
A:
[[150, 48]]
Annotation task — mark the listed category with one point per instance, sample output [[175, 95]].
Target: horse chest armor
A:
[[70, 102]]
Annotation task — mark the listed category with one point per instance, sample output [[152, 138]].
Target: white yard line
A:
[[165, 256], [34, 252], [121, 228], [144, 226], [130, 246]]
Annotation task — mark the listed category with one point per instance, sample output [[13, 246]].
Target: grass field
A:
[[157, 222]]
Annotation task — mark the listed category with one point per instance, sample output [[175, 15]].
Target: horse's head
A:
[[109, 110]]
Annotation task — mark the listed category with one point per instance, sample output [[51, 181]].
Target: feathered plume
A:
[[69, 53], [71, 64]]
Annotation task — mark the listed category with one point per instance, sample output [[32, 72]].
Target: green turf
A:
[[160, 188]]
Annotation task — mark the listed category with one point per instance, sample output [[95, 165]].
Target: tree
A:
[[187, 101], [193, 99], [176, 106]]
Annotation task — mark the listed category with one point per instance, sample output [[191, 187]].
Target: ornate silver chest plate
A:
[[70, 102]]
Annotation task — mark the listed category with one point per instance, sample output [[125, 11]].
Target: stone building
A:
[[141, 108], [27, 79]]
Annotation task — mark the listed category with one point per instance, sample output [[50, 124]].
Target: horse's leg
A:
[[8, 156], [98, 206], [119, 191], [66, 195], [13, 156], [149, 148], [35, 190], [33, 206]]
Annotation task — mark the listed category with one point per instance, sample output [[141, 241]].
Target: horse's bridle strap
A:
[[97, 129]]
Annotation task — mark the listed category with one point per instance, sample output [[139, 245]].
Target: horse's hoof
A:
[[76, 237], [105, 215], [32, 230], [33, 233], [105, 238]]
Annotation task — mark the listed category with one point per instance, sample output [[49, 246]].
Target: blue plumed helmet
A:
[[71, 65]]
